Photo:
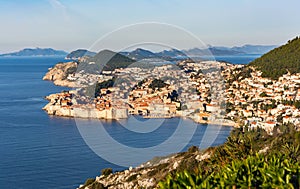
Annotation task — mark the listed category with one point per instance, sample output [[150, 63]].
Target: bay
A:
[[41, 151], [234, 59]]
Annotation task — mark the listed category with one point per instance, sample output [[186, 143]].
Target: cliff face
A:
[[63, 104], [59, 73], [150, 173]]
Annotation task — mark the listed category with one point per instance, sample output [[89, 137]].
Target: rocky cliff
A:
[[150, 173], [59, 73], [63, 104]]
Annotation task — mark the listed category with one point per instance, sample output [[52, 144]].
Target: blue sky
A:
[[72, 24]]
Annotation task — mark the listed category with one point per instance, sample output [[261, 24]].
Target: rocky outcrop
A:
[[64, 104], [150, 173], [59, 73]]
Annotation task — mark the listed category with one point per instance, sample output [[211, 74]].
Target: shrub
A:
[[106, 171], [276, 171], [89, 181], [238, 164], [98, 185], [193, 149], [132, 178]]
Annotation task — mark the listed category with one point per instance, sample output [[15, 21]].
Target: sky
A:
[[72, 24]]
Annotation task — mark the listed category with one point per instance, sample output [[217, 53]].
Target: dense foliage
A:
[[157, 83], [238, 74], [106, 171], [280, 60], [276, 171], [250, 159], [71, 70], [109, 60], [105, 60], [80, 53], [104, 85]]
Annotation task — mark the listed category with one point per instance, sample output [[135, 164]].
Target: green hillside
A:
[[80, 53], [105, 60], [111, 60], [280, 60]]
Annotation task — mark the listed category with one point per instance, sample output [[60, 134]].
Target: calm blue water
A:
[[40, 151], [235, 59]]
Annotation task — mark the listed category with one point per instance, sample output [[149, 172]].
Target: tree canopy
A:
[[281, 60]]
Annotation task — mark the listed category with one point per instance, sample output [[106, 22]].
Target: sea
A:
[[42, 151], [234, 59]]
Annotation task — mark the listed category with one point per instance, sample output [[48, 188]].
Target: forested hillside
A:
[[280, 60]]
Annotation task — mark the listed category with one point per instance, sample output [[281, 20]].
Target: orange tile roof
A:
[[144, 104], [270, 122]]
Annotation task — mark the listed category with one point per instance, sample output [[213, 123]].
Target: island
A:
[[33, 52]]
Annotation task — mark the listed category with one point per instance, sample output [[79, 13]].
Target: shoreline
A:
[[235, 125], [65, 104], [93, 113]]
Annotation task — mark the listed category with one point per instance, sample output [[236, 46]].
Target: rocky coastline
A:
[[62, 104], [112, 104], [59, 106], [148, 174], [59, 73]]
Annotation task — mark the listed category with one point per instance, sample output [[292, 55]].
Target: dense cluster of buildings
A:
[[261, 102], [203, 91]]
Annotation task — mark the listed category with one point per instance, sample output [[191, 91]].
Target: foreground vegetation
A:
[[276, 171], [250, 159]]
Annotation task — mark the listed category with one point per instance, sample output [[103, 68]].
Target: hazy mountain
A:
[[171, 53], [174, 54], [139, 54], [254, 49], [211, 51], [37, 52], [223, 51], [80, 53]]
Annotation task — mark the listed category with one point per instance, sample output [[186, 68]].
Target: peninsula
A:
[[205, 91], [263, 105], [157, 92]]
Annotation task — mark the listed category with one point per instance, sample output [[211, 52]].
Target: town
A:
[[207, 92]]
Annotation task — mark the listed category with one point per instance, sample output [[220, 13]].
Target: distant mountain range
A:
[[215, 51], [80, 53], [254, 49], [37, 52], [223, 51], [171, 53], [139, 53]]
